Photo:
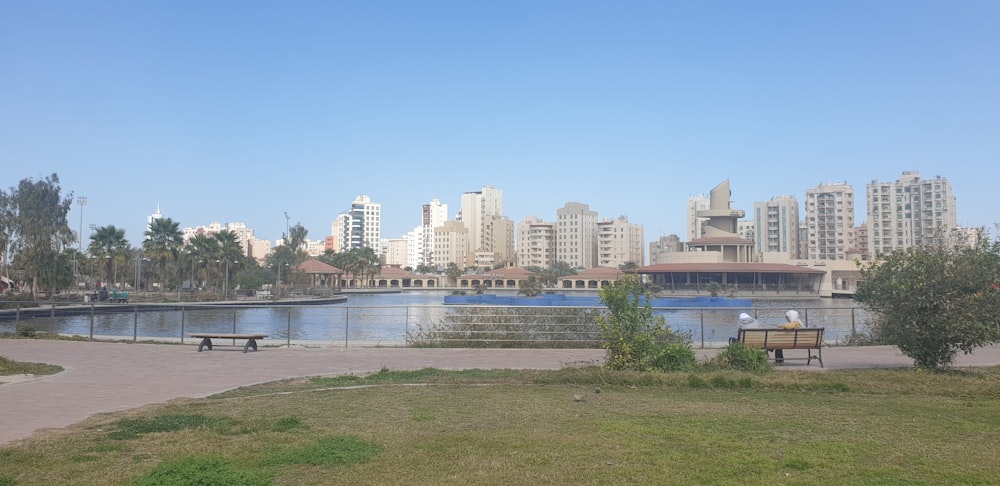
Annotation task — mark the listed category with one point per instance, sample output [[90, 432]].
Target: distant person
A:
[[124, 296], [103, 294], [791, 322], [745, 322]]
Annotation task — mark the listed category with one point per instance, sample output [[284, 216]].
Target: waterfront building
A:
[[394, 251], [829, 219], [360, 226], [451, 244], [910, 213], [620, 242], [535, 243], [777, 226], [665, 245], [576, 235], [433, 215]]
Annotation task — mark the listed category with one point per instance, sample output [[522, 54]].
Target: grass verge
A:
[[572, 426]]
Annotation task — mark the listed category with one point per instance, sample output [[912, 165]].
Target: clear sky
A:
[[241, 111]]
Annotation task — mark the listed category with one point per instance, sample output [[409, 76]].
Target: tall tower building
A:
[[620, 242], [476, 207], [910, 213], [450, 244], [720, 219], [360, 226], [830, 221], [776, 224], [433, 215], [576, 235]]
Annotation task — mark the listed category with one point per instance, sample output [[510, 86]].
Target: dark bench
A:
[[808, 338], [206, 340]]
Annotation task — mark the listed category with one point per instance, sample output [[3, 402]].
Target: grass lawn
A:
[[573, 426]]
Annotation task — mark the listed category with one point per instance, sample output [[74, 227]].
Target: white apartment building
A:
[[576, 235], [360, 226], [910, 213], [536, 243], [620, 242], [829, 221], [776, 225], [433, 214], [244, 235]]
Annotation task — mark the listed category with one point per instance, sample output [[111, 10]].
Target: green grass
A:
[[11, 367], [572, 426]]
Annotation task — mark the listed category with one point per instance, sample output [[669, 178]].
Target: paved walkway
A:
[[106, 377]]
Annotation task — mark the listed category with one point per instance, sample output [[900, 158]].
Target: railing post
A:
[[701, 315], [289, 333], [91, 321], [347, 323], [234, 325], [135, 324], [182, 323]]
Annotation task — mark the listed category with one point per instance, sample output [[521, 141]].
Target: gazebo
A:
[[320, 274]]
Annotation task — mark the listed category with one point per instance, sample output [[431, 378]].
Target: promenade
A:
[[102, 377]]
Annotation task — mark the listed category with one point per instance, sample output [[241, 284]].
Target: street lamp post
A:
[[82, 201]]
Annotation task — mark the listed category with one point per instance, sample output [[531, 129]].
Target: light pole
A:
[[82, 201]]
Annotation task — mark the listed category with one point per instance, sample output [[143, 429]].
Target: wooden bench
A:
[[206, 340], [808, 338]]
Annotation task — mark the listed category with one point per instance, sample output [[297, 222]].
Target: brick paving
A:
[[104, 377]]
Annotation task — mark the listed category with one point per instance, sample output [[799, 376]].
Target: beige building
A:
[[664, 246], [576, 235], [451, 244], [720, 219], [620, 242], [910, 213], [694, 223], [394, 252], [536, 243], [829, 218]]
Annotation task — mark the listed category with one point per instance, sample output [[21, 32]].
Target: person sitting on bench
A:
[[792, 318]]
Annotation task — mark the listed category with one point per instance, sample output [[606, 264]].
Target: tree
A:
[[163, 243], [934, 302], [452, 272], [637, 339], [107, 244], [35, 225], [627, 266], [530, 288]]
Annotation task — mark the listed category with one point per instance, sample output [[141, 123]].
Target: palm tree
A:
[[163, 243], [452, 272], [201, 249], [108, 243]]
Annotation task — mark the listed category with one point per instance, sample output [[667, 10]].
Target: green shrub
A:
[[738, 357], [635, 338], [26, 330], [673, 357]]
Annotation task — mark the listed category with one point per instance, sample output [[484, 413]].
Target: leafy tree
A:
[[424, 269], [934, 302], [625, 267], [35, 225], [451, 273], [530, 288], [162, 245], [635, 338], [56, 273], [108, 244]]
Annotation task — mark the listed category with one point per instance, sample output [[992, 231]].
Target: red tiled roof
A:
[[726, 267], [313, 265]]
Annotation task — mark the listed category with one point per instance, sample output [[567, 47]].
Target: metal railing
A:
[[401, 325]]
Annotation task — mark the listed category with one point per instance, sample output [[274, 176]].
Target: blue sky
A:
[[242, 111]]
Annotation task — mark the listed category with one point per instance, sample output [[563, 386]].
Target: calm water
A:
[[386, 319]]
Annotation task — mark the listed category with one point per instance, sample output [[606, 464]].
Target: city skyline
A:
[[242, 113]]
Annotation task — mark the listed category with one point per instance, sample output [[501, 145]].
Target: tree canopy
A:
[[934, 302], [34, 227]]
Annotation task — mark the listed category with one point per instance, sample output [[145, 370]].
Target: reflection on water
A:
[[372, 319]]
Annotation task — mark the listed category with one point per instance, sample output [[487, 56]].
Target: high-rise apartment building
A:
[[660, 249], [433, 214], [776, 226], [536, 243], [576, 235], [620, 242], [830, 221], [476, 207], [360, 226], [910, 213]]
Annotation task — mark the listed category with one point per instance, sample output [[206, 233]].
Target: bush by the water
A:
[[739, 357]]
